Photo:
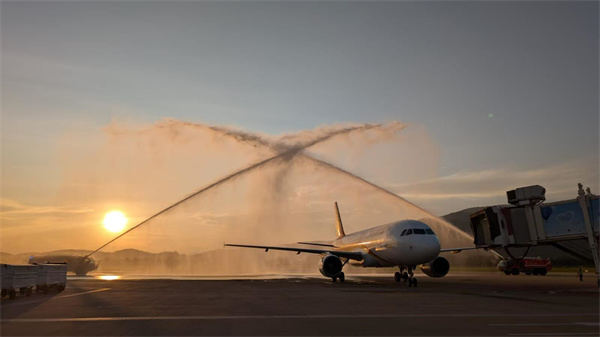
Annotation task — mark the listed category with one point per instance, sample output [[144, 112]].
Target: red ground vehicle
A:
[[527, 265]]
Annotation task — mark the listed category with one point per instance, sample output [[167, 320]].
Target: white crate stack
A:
[[22, 278], [51, 275], [18, 278]]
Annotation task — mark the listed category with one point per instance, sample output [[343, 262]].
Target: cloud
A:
[[11, 208], [212, 218], [491, 185]]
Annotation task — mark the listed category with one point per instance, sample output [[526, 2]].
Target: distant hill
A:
[[461, 219], [7, 258], [217, 262]]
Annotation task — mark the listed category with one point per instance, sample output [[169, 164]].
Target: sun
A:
[[114, 221]]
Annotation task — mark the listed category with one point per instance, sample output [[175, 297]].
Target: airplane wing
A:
[[318, 243], [456, 250], [349, 255]]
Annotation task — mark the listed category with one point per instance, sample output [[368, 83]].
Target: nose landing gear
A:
[[406, 276]]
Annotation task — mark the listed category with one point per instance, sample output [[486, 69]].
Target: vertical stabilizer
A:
[[339, 227]]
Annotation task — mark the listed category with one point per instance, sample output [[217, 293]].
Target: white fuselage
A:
[[401, 243]]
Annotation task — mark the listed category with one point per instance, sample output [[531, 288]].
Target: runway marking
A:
[[589, 323], [543, 324], [14, 304], [83, 293], [325, 316], [554, 334]]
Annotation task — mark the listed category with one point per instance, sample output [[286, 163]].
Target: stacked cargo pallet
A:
[[22, 278], [51, 276]]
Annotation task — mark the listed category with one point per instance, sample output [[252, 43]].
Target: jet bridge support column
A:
[[583, 200]]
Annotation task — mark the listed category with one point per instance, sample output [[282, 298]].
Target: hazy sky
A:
[[507, 91]]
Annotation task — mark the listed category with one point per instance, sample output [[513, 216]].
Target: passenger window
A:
[[403, 232], [429, 231], [419, 231], [409, 232]]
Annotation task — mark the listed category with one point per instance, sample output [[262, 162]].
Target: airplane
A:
[[403, 244]]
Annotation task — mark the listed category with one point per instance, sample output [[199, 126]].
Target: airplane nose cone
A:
[[435, 247], [429, 249]]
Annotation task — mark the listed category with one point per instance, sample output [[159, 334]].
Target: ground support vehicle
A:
[[527, 265], [80, 265], [21, 278], [51, 276]]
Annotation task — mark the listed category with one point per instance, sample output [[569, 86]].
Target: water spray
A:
[[288, 152], [377, 187], [286, 148]]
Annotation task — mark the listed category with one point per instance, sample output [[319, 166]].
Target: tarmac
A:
[[461, 304]]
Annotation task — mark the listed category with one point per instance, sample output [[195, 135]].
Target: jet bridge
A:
[[530, 222]]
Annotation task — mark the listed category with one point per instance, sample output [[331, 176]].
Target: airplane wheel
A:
[[12, 294], [22, 291], [404, 277], [397, 276], [29, 291], [410, 282], [415, 283], [342, 277], [334, 279]]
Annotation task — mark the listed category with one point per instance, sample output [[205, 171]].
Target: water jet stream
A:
[[258, 140], [231, 176], [377, 187], [285, 151], [287, 154]]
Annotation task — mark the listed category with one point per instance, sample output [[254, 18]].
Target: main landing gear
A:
[[341, 276], [406, 276]]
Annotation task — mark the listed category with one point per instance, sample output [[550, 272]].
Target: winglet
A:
[[339, 227]]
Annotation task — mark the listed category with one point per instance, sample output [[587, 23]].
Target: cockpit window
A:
[[429, 231], [419, 231], [403, 232], [409, 232]]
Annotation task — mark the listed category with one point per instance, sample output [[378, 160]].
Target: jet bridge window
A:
[[409, 232], [403, 232], [419, 231], [429, 231]]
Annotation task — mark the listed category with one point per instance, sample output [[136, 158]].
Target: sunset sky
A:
[[96, 97]]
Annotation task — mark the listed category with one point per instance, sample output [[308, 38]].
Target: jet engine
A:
[[439, 267], [330, 266]]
